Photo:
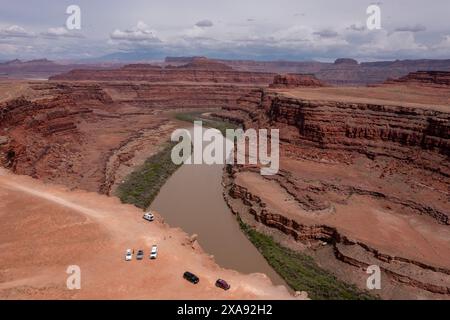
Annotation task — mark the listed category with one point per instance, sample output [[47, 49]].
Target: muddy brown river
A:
[[192, 200]]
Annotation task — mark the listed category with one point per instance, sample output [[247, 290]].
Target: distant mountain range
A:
[[342, 72], [42, 68]]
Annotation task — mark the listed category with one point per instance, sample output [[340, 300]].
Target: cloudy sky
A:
[[251, 29]]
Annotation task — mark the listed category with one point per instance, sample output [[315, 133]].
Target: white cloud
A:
[[444, 43], [60, 32], [386, 43], [141, 32], [15, 31], [7, 48], [274, 30], [194, 32]]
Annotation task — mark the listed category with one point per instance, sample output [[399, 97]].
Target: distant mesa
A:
[[11, 62], [37, 68], [17, 62], [196, 69], [137, 66], [346, 61], [181, 60], [436, 78], [202, 63], [196, 63], [341, 72], [292, 80]]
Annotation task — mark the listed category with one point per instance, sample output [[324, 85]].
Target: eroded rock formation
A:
[[198, 70], [369, 179], [343, 71], [91, 135], [438, 78], [295, 81]]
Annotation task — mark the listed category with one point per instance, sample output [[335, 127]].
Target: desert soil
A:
[[45, 228]]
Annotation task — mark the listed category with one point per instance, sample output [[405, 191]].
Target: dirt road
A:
[[46, 228]]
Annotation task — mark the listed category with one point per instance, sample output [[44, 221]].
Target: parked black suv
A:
[[191, 277], [140, 255]]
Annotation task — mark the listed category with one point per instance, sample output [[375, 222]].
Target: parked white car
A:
[[154, 252], [128, 255], [149, 216]]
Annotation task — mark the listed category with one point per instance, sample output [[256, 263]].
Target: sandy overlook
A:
[[415, 96], [46, 228]]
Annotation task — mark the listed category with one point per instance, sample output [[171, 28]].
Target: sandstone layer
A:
[[198, 70], [295, 80], [367, 179], [364, 173], [436, 78], [90, 135], [342, 72]]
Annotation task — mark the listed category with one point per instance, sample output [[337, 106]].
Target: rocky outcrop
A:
[[203, 63], [375, 130], [343, 71], [44, 137], [346, 61], [431, 78], [3, 140], [353, 126], [356, 253], [405, 151], [169, 96], [82, 133], [34, 127], [198, 70], [295, 80]]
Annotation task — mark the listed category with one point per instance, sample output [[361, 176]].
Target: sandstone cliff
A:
[[370, 180], [437, 78], [295, 80], [87, 135], [342, 72], [199, 70]]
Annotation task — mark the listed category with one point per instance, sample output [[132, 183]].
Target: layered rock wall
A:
[[372, 129], [190, 73]]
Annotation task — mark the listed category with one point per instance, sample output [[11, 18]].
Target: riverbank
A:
[[207, 120], [93, 231], [301, 272], [297, 267], [192, 200], [154, 184], [142, 186]]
